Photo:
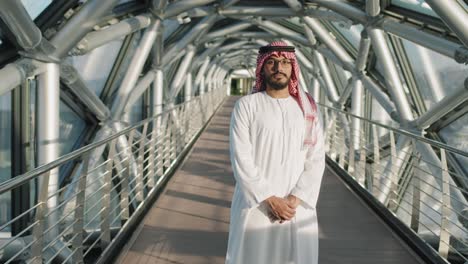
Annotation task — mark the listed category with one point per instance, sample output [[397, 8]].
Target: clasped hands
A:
[[282, 209]]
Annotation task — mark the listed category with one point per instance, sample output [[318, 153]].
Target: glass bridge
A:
[[114, 123]]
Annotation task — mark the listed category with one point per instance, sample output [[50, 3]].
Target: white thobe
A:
[[267, 156]]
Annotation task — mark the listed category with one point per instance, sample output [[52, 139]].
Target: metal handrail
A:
[[404, 132], [110, 191], [407, 182], [20, 179]]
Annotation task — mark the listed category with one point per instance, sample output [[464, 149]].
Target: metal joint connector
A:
[[374, 22], [461, 55], [41, 52], [359, 74], [29, 67], [156, 14], [68, 74], [414, 129]]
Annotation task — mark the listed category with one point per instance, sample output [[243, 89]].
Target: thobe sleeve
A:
[[246, 173], [307, 187]]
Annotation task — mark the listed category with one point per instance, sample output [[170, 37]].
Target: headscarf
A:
[[308, 107]]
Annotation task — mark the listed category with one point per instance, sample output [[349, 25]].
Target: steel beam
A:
[[373, 7], [158, 92], [363, 53], [443, 107], [247, 35], [201, 71], [48, 134], [209, 75], [158, 5], [188, 87], [242, 11], [309, 34], [438, 44], [178, 79], [141, 87], [134, 71], [380, 96], [315, 89], [79, 25], [13, 74], [178, 7], [325, 73], [98, 38], [237, 27], [331, 43], [229, 47], [390, 71], [294, 5], [201, 87], [158, 46], [454, 15], [327, 53], [197, 31], [356, 109], [281, 31], [73, 80], [15, 16], [228, 3], [395, 26]]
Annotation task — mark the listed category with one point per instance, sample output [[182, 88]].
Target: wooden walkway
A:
[[189, 222]]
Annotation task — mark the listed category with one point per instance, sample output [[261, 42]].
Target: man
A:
[[278, 159]]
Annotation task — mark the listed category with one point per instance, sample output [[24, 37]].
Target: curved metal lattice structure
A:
[[78, 77]]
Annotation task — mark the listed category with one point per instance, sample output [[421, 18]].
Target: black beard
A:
[[277, 85]]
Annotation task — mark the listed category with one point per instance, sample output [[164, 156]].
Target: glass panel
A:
[[352, 34], [71, 127], [342, 76], [436, 75], [455, 135], [124, 66], [419, 6], [95, 66], [170, 25], [35, 7], [378, 114], [5, 139], [5, 155]]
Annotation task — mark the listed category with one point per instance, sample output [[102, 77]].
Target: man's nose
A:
[[277, 66]]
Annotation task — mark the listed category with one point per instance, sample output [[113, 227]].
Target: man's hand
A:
[[293, 201], [280, 208]]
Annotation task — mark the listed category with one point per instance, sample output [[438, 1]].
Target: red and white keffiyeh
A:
[[309, 108]]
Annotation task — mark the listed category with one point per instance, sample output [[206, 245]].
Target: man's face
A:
[[277, 72]]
